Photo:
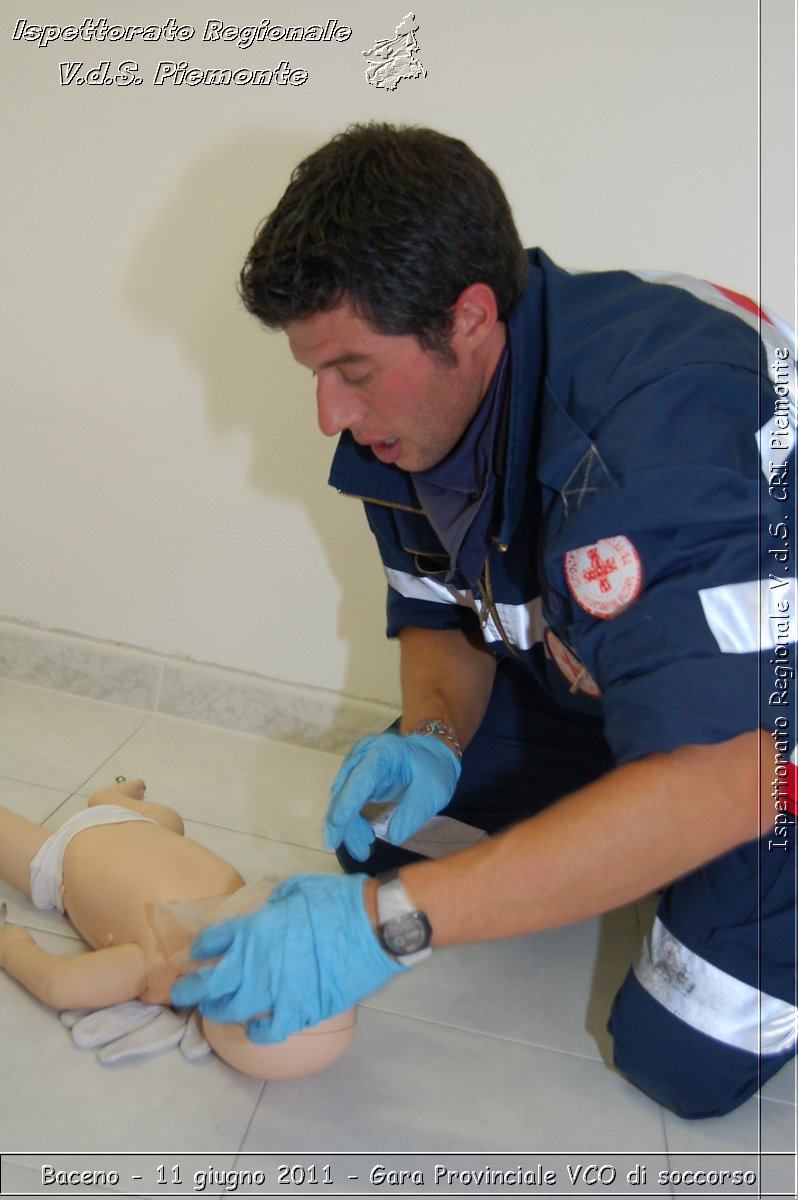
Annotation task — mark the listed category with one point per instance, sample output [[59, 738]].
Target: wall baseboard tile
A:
[[207, 694]]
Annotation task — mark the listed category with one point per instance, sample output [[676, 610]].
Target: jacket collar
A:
[[525, 335], [356, 472]]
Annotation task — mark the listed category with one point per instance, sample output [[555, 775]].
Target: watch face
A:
[[406, 934]]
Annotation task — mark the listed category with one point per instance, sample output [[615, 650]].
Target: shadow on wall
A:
[[183, 282]]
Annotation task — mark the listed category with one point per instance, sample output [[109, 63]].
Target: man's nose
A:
[[337, 408]]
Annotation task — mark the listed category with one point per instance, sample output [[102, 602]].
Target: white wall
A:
[[162, 481]]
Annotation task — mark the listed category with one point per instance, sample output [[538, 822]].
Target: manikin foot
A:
[[132, 788], [129, 793]]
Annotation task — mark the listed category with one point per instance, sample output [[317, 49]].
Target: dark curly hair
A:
[[395, 219]]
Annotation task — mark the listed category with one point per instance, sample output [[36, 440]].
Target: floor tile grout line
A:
[[45, 787], [240, 1148], [77, 791], [263, 837], [500, 1037], [117, 750]]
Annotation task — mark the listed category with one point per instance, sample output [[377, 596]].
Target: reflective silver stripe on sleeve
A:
[[747, 617], [777, 437], [522, 623], [422, 587], [711, 1001]]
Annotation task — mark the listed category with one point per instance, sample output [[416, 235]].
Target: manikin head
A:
[[176, 925]]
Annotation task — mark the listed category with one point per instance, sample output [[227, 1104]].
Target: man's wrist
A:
[[440, 728], [403, 930], [370, 902]]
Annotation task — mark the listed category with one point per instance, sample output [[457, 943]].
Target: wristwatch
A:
[[403, 931]]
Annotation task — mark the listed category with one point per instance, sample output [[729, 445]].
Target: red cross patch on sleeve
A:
[[604, 578]]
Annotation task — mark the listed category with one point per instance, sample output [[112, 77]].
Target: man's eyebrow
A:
[[344, 358]]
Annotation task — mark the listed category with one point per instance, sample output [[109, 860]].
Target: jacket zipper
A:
[[382, 503], [489, 611], [485, 592]]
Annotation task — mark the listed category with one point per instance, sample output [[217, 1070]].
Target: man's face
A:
[[408, 406]]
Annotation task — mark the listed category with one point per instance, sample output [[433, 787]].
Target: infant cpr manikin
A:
[[124, 873]]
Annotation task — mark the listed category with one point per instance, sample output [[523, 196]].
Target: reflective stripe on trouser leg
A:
[[709, 1012], [710, 1000]]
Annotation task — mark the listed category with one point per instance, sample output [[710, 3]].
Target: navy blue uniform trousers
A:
[[707, 1015]]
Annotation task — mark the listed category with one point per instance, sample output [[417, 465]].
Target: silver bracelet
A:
[[436, 725]]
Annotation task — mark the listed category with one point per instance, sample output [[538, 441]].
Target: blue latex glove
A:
[[309, 953], [418, 773]]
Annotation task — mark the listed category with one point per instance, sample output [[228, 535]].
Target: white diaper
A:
[[47, 866]]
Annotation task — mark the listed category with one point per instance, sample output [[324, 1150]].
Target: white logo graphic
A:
[[604, 578], [390, 60]]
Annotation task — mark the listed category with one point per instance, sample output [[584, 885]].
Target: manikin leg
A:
[[20, 841], [95, 978], [129, 793]]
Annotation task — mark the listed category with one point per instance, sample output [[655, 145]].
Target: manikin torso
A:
[[113, 877], [114, 873]]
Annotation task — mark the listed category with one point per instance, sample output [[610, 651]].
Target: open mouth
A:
[[388, 451]]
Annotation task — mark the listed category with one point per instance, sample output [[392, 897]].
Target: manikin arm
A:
[[95, 979]]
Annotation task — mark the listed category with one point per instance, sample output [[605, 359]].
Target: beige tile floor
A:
[[483, 1051]]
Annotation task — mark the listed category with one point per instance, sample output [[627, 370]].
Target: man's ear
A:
[[476, 314]]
